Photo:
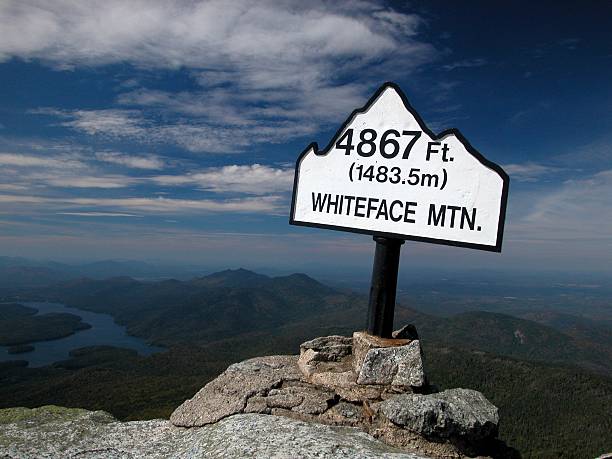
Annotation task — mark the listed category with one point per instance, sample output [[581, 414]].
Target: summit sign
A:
[[385, 173]]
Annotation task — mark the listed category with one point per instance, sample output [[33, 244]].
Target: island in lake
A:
[[21, 324], [20, 349]]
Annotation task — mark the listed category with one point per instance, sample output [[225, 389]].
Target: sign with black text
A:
[[385, 173]]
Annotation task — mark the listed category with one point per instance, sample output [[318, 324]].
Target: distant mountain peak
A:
[[302, 281], [299, 277], [239, 272], [244, 278], [232, 278]]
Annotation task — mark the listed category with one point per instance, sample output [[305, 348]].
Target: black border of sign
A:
[[475, 153]]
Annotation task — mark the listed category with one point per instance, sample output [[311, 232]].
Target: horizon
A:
[[173, 140], [356, 276]]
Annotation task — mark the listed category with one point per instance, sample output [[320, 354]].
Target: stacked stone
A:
[[378, 385]]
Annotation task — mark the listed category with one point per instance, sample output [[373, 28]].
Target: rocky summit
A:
[[376, 385], [360, 396]]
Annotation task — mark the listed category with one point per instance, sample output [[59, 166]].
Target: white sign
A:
[[385, 173]]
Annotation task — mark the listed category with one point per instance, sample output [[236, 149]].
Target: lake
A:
[[104, 331]]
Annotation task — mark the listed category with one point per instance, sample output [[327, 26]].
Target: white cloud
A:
[[84, 170], [22, 199], [596, 154], [97, 214], [136, 162], [528, 172], [25, 160], [268, 71], [76, 181], [579, 211], [252, 179], [65, 170], [465, 63], [12, 187], [261, 204], [195, 34], [119, 123], [570, 43], [265, 204], [223, 135]]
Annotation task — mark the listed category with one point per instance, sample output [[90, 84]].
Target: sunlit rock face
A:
[[373, 384], [55, 432]]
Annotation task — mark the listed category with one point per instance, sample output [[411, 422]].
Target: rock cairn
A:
[[377, 385]]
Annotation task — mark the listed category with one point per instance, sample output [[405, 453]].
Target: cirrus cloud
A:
[[528, 172], [264, 72], [251, 179], [136, 162], [191, 34], [159, 205]]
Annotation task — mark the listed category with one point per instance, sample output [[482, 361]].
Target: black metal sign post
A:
[[383, 287]]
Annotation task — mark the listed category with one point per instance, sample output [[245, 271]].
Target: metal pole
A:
[[383, 287]]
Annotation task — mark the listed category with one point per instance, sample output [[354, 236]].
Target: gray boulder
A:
[[397, 366], [54, 432], [454, 413]]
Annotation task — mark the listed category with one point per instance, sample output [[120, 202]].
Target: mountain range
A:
[[232, 303], [18, 272], [550, 376]]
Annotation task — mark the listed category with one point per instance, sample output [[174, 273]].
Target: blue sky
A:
[[168, 130]]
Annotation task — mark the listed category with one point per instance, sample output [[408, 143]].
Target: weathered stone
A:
[[399, 437], [333, 347], [322, 354], [332, 380], [406, 332], [315, 401], [334, 394], [294, 415], [343, 413], [363, 342], [322, 364], [283, 399], [359, 392], [228, 393], [345, 386], [257, 404], [53, 432], [311, 363], [307, 362], [397, 366], [392, 391], [461, 413], [410, 371]]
